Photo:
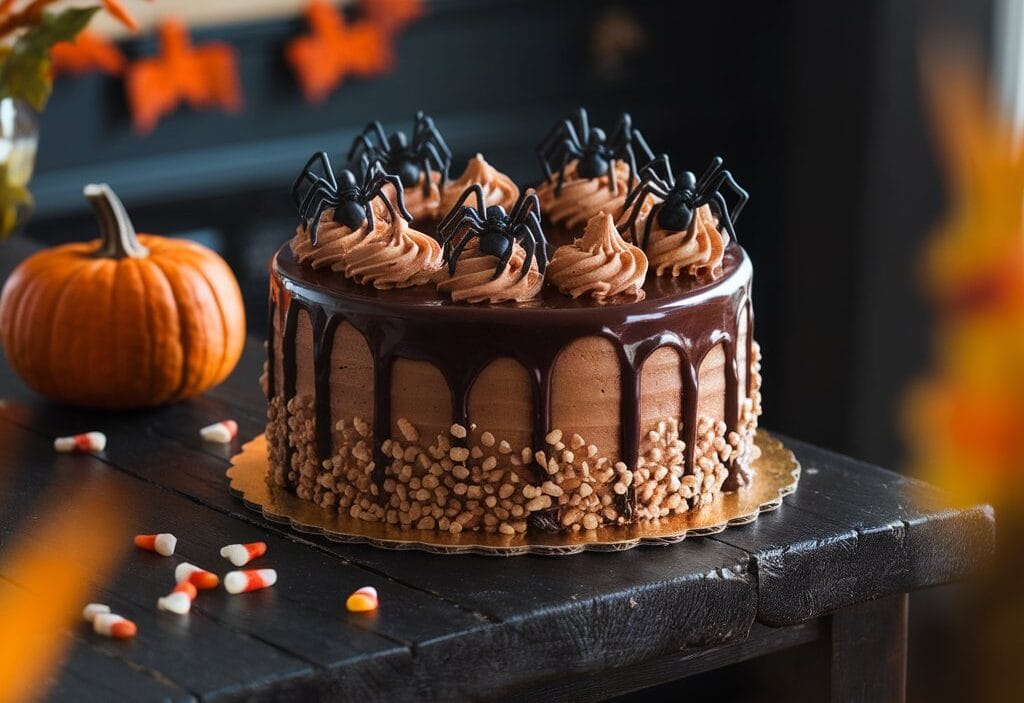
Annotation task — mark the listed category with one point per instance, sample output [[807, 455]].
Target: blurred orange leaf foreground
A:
[[49, 584], [88, 52], [203, 76], [967, 420], [336, 49]]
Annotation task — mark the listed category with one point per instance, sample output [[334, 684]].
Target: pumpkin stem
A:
[[117, 234]]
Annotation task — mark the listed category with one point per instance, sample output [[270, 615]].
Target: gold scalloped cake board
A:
[[776, 474]]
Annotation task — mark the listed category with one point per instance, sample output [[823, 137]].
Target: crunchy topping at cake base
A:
[[467, 479], [277, 441]]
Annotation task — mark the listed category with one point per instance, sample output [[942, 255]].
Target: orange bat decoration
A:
[[336, 49], [204, 76], [392, 15], [89, 52]]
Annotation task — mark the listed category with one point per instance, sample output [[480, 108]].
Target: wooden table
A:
[[836, 561]]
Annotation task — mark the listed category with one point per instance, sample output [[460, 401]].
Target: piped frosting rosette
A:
[[391, 255], [600, 264], [474, 281], [697, 250], [424, 205], [498, 188], [582, 198]]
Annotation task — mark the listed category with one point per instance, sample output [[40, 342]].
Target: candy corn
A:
[[242, 554], [163, 543], [111, 625], [362, 601], [179, 600], [249, 580], [90, 611], [86, 442], [200, 578], [221, 432]]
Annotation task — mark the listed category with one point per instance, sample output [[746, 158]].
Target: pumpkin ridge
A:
[[229, 353], [168, 391], [58, 303], [184, 335]]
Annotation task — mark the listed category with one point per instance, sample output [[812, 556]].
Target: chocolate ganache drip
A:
[[687, 316]]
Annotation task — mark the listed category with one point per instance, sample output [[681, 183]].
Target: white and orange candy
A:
[[91, 610], [179, 600], [242, 554], [162, 543], [249, 580], [221, 432], [111, 625], [197, 576], [85, 442], [363, 601]]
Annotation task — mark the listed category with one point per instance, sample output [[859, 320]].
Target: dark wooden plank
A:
[[87, 674], [234, 642], [761, 641], [869, 652], [607, 608], [853, 532]]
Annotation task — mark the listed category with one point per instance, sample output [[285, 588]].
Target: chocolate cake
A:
[[470, 375]]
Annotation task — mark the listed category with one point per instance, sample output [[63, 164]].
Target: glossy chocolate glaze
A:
[[462, 339]]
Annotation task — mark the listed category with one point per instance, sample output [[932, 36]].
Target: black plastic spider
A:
[[573, 138], [398, 156], [349, 194], [495, 230], [681, 196]]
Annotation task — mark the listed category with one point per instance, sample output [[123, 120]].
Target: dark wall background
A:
[[814, 106]]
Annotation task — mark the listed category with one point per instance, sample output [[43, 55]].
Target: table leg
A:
[[869, 652]]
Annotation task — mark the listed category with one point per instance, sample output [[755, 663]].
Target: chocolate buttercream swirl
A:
[[498, 188], [474, 280], [582, 198], [424, 206], [698, 250], [391, 255], [600, 264]]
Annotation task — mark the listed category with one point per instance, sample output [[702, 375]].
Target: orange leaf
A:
[[117, 10], [205, 76], [89, 52]]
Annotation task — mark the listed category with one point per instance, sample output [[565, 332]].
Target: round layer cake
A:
[[570, 395]]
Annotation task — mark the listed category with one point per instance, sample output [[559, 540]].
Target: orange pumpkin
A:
[[126, 322]]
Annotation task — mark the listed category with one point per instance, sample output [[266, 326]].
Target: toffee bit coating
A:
[[490, 486]]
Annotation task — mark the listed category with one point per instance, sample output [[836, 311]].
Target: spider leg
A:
[[321, 190], [527, 201], [469, 222], [313, 225], [645, 148], [550, 147], [744, 196], [718, 202], [536, 233], [456, 210], [647, 225], [583, 122], [713, 169], [650, 184], [309, 174], [453, 257], [650, 171], [570, 152], [396, 183], [638, 195], [503, 261], [425, 133]]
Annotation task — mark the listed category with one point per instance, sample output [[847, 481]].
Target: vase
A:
[[19, 137]]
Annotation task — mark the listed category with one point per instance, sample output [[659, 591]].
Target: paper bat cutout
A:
[[392, 15], [336, 48], [203, 76], [89, 52]]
